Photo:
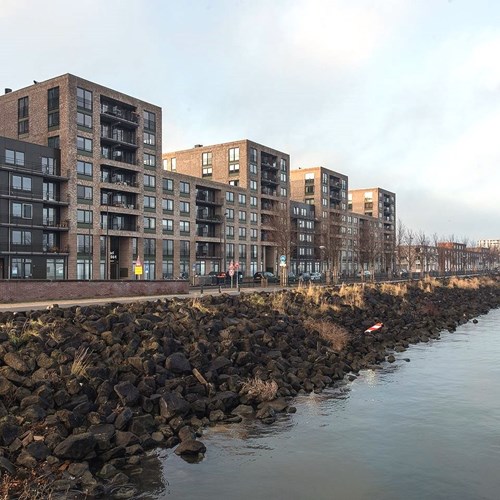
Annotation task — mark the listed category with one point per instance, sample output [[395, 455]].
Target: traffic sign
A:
[[236, 265], [231, 265], [231, 272], [283, 259]]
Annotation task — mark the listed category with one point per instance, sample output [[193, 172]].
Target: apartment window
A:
[[283, 177], [84, 243], [21, 268], [167, 205], [230, 231], [207, 171], [48, 165], [309, 189], [167, 225], [53, 119], [84, 144], [21, 237], [168, 248], [149, 181], [22, 115], [242, 215], [21, 182], [234, 154], [150, 202], [283, 165], [242, 233], [149, 160], [253, 233], [206, 158], [242, 199], [22, 210], [242, 251], [234, 183], [184, 250], [283, 191], [53, 142], [84, 216], [253, 217], [53, 99], [234, 168], [149, 121], [84, 192], [83, 119], [184, 187], [184, 226], [150, 223], [184, 207], [149, 246], [230, 213], [167, 184], [84, 168], [149, 138], [14, 157], [84, 98], [173, 164], [253, 201], [253, 185], [253, 157], [230, 250], [230, 196]]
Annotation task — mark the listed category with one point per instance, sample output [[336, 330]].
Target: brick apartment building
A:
[[110, 156], [377, 218], [257, 186]]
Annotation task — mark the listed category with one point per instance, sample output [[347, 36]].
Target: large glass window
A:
[[184, 207], [20, 268], [84, 192], [167, 185], [84, 168], [149, 160], [184, 226], [84, 98], [234, 154], [21, 182], [48, 165], [149, 121], [84, 144], [84, 243], [184, 187], [14, 157], [55, 269], [149, 139], [149, 181], [167, 205], [149, 202], [83, 119], [20, 237], [22, 210]]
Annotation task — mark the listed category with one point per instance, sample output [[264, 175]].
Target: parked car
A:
[[364, 273], [238, 274], [304, 277], [270, 277], [292, 278], [217, 277], [316, 277]]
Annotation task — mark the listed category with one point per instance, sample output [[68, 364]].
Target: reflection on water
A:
[[423, 429]]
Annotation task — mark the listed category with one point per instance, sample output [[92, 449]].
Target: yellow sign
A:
[[138, 270]]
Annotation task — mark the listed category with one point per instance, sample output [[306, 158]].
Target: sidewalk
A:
[[193, 293]]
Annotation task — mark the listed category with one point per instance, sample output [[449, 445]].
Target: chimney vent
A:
[[7, 91], [198, 145]]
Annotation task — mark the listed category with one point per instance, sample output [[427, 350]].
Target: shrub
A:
[[81, 362], [260, 390], [335, 335], [352, 295]]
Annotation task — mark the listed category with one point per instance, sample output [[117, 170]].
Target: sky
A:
[[398, 94]]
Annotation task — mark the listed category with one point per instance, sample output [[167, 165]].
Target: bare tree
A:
[[423, 251], [330, 239], [369, 245], [400, 239]]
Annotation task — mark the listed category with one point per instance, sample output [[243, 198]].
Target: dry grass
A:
[[335, 335], [260, 390], [197, 304], [429, 284], [81, 362], [395, 289], [278, 302], [32, 488], [352, 295], [311, 291], [465, 283]]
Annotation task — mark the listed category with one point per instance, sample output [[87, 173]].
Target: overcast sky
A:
[[400, 94]]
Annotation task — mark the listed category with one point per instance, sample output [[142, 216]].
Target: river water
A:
[[424, 429]]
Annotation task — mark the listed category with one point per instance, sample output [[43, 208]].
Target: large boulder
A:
[[190, 447], [178, 363], [172, 404], [76, 447]]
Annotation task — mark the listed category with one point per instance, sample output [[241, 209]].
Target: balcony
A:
[[205, 216], [267, 191], [207, 198], [120, 137], [269, 179], [116, 113]]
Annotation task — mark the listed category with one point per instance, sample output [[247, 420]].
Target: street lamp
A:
[[108, 249]]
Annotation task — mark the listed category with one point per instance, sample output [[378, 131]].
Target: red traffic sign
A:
[[231, 272], [231, 265], [236, 265]]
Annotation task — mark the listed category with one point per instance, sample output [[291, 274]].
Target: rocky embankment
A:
[[85, 391]]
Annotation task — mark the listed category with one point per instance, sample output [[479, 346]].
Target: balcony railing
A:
[[119, 112]]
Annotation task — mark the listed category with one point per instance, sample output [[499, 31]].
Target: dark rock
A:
[[8, 432], [6, 465], [190, 447], [103, 434], [125, 438], [143, 424], [15, 361], [123, 418], [172, 404], [128, 393], [186, 433], [38, 450], [178, 363], [76, 447]]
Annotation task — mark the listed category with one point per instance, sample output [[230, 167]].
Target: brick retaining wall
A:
[[33, 290]]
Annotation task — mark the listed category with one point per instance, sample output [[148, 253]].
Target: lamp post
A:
[[108, 249]]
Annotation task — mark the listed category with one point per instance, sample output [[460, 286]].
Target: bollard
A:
[[239, 288], [201, 289], [220, 289]]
